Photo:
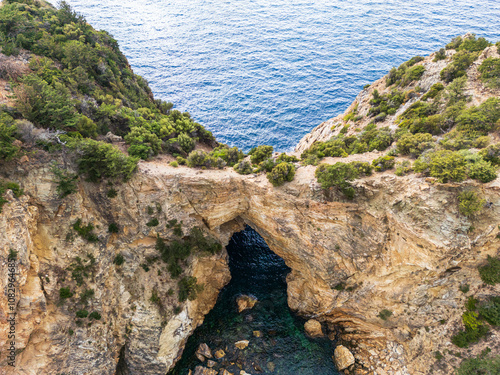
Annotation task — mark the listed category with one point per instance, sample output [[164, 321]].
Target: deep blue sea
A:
[[268, 71]]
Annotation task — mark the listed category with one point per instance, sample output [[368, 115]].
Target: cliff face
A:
[[401, 246]]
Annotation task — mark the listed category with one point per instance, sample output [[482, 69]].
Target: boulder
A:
[[200, 370], [245, 302], [219, 354], [225, 372], [211, 363], [343, 357], [313, 328], [257, 333], [241, 344], [204, 351]]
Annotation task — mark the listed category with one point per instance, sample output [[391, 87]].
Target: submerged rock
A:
[[200, 370], [203, 351], [242, 344], [313, 328], [219, 354], [245, 302], [343, 357]]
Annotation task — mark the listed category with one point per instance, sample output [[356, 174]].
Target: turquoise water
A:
[[268, 71], [283, 346]]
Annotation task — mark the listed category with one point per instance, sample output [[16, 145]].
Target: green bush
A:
[[86, 295], [65, 180], [113, 228], [112, 193], [143, 143], [481, 365], [98, 160], [412, 74], [7, 137], [490, 273], [440, 55], [337, 175], [480, 120], [85, 231], [243, 167], [490, 311], [403, 168], [267, 165], [433, 91], [65, 293], [490, 72], [46, 105], [414, 144], [82, 314], [186, 142], [174, 164], [286, 158], [189, 288], [95, 315], [260, 153], [459, 65], [491, 154], [444, 165], [153, 222], [482, 171], [385, 314], [119, 259], [469, 336], [383, 163], [404, 73], [387, 103], [470, 203], [230, 155], [363, 168], [7, 185], [281, 173]]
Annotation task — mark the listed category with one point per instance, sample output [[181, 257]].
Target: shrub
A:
[[119, 259], [440, 55], [260, 153], [490, 273], [479, 120], [98, 160], [143, 143], [490, 72], [490, 311], [181, 160], [464, 338], [174, 164], [198, 158], [469, 203], [491, 154], [286, 158], [7, 131], [112, 193], [385, 314], [85, 231], [46, 105], [387, 103], [82, 314], [482, 171], [189, 288], [412, 74], [363, 168], [153, 222], [383, 163], [186, 142], [414, 144], [281, 173], [267, 165], [243, 167], [95, 315], [65, 293], [403, 168], [337, 175], [113, 228], [7, 185], [443, 164], [65, 180], [86, 295], [433, 91], [459, 65], [230, 155], [481, 365]]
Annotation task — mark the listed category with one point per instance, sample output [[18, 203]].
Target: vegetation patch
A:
[[189, 288], [85, 231], [470, 203], [8, 185], [281, 173], [490, 273]]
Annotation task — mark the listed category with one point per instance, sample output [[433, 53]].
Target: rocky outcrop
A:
[[343, 357], [401, 246]]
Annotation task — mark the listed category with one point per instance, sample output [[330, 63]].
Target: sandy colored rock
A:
[[225, 372], [204, 351], [211, 363], [242, 344], [245, 302], [200, 370], [343, 357], [313, 328], [257, 333], [219, 354]]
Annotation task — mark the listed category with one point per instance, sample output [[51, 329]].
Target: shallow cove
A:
[[283, 347]]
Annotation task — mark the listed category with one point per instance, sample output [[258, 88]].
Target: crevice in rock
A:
[[121, 367]]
